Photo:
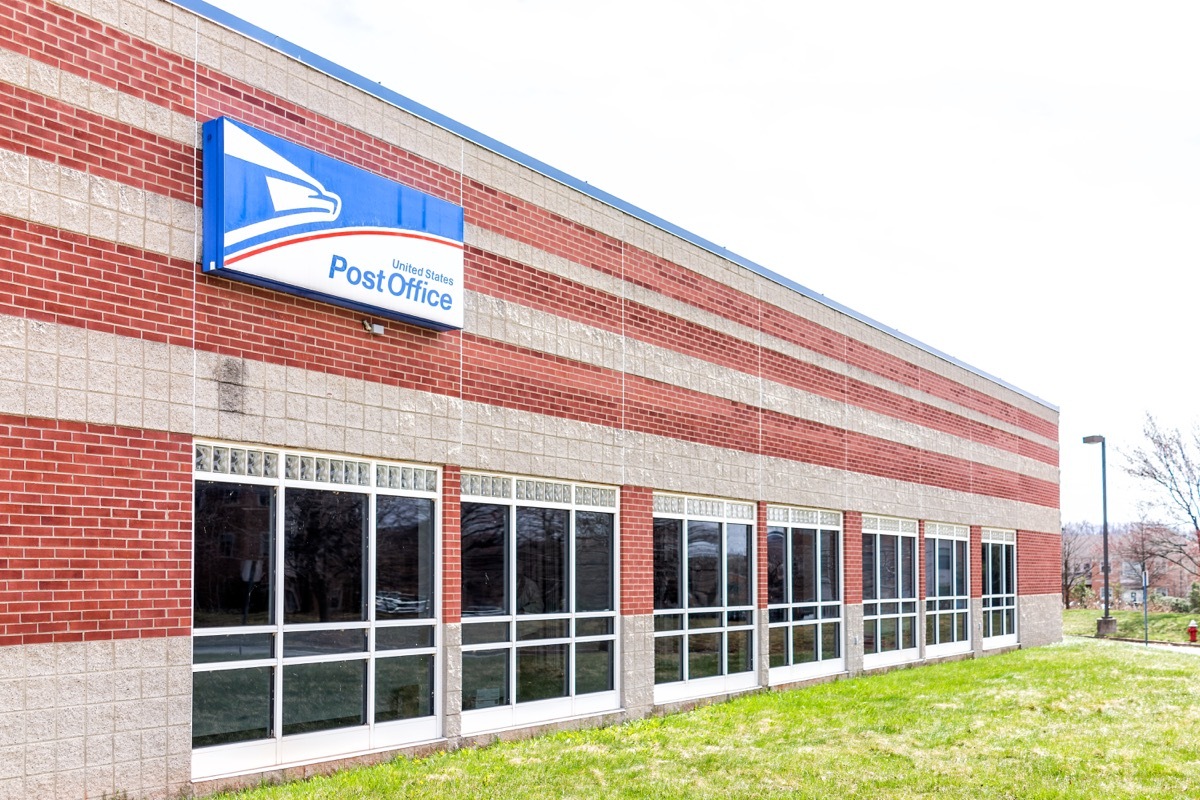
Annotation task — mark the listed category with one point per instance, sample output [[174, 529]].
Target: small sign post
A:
[[1146, 605]]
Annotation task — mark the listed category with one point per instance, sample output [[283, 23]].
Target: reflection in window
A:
[[737, 564], [231, 706], [594, 561], [323, 696], [541, 560], [668, 562], [484, 559], [403, 687], [704, 564], [403, 558], [324, 543], [233, 560]]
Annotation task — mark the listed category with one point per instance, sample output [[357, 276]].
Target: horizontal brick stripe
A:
[[109, 56], [510, 280], [528, 224], [586, 393], [262, 325], [95, 532], [33, 125], [113, 289], [80, 280], [490, 208]]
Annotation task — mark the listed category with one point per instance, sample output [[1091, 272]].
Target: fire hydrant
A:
[[1192, 631]]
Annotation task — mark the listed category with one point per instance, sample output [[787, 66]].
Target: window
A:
[[999, 588], [947, 592], [889, 590], [314, 610], [703, 596], [804, 592], [538, 600]]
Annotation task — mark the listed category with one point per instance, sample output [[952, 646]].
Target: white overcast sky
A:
[[1015, 184]]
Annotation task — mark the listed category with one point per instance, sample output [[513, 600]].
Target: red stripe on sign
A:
[[335, 234]]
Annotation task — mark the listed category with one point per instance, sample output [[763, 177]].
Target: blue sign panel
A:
[[285, 217]]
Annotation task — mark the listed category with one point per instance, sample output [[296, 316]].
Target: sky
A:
[[1013, 184]]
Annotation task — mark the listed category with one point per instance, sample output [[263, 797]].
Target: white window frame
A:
[[281, 751], [530, 492], [955, 606], [780, 616], [706, 509], [906, 608], [1005, 602]]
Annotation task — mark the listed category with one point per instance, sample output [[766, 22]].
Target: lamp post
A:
[[1106, 625]]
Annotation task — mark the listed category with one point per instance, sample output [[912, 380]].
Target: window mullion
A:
[[279, 600]]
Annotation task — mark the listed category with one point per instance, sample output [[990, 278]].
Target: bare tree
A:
[[1172, 462], [1145, 547], [1161, 543], [1080, 545]]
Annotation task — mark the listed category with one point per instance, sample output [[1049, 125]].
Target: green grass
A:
[[1086, 719], [1164, 627]]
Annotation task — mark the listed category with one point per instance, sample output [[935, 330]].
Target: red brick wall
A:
[[637, 550], [975, 556], [95, 532], [852, 556], [1039, 563]]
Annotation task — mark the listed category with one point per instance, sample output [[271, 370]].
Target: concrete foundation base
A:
[[1106, 626]]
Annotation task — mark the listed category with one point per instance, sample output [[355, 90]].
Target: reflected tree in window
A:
[[403, 558], [325, 540], [234, 554], [541, 560], [484, 559], [668, 562]]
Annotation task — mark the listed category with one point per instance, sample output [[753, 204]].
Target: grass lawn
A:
[[1085, 719], [1164, 627]]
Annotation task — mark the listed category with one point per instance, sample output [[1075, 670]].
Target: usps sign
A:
[[282, 216]]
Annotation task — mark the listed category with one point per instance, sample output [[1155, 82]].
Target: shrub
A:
[[1175, 605]]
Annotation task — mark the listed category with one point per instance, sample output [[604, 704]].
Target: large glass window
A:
[[999, 587], [703, 590], [947, 588], [538, 599], [889, 590], [313, 604], [804, 591]]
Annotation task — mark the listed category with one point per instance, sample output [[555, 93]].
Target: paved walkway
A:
[[1174, 647]]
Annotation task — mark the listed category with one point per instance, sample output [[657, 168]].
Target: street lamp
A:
[[1106, 626]]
